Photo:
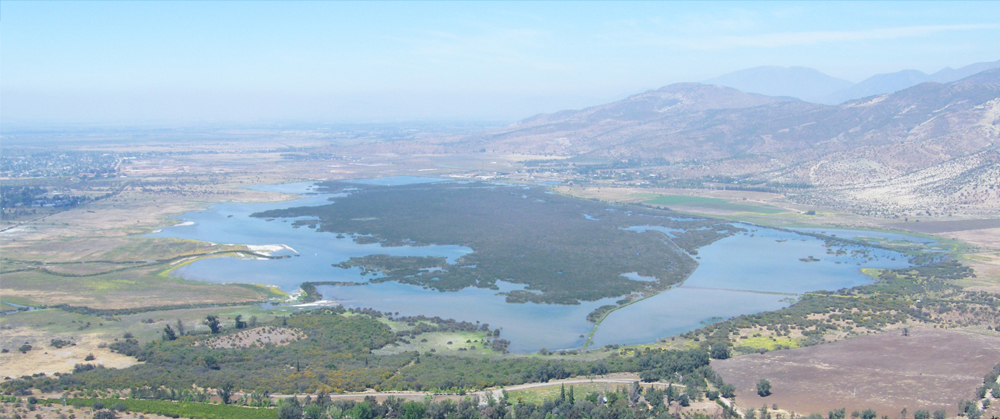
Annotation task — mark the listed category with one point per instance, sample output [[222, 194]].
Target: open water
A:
[[751, 272]]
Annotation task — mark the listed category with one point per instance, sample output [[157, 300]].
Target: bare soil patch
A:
[[930, 369], [259, 337], [988, 238], [43, 357]]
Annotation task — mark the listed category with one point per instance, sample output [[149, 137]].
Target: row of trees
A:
[[213, 323]]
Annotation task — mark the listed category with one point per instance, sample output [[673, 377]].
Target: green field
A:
[[178, 409], [713, 203], [768, 343], [539, 395], [126, 276]]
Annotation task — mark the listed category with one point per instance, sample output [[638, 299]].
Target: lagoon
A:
[[729, 281]]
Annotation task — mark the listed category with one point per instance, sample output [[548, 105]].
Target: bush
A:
[[922, 414], [720, 351], [105, 414], [289, 411], [763, 388]]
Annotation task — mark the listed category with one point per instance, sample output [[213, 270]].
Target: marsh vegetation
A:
[[521, 235]]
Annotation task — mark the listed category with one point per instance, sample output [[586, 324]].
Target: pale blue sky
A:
[[184, 62]]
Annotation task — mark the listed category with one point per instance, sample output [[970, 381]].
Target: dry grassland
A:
[[45, 358]]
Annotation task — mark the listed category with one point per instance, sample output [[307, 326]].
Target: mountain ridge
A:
[[803, 83], [892, 82], [842, 150]]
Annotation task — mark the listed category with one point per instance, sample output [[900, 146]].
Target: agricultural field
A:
[[926, 369]]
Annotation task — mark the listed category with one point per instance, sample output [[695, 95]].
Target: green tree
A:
[[290, 411], [414, 410], [168, 333], [972, 410], [869, 414], [211, 362], [922, 414], [720, 350], [315, 411], [225, 392], [213, 323], [654, 397], [940, 414], [360, 411], [763, 387]]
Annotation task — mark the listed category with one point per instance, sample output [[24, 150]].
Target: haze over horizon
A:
[[113, 63]]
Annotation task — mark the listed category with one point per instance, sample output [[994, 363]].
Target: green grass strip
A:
[[178, 409]]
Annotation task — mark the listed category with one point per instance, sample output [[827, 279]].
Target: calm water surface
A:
[[737, 275]]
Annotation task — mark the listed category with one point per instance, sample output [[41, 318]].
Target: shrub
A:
[[763, 388]]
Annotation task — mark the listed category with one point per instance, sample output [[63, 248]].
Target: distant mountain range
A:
[[931, 145], [813, 86], [798, 82]]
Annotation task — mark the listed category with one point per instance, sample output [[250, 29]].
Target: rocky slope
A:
[[929, 143]]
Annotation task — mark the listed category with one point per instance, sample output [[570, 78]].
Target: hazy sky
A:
[[184, 62]]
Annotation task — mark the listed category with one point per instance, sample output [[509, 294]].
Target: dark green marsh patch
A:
[[563, 249]]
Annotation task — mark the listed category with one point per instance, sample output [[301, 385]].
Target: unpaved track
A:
[[496, 392]]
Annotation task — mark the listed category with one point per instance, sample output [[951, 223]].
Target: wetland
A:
[[522, 259]]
